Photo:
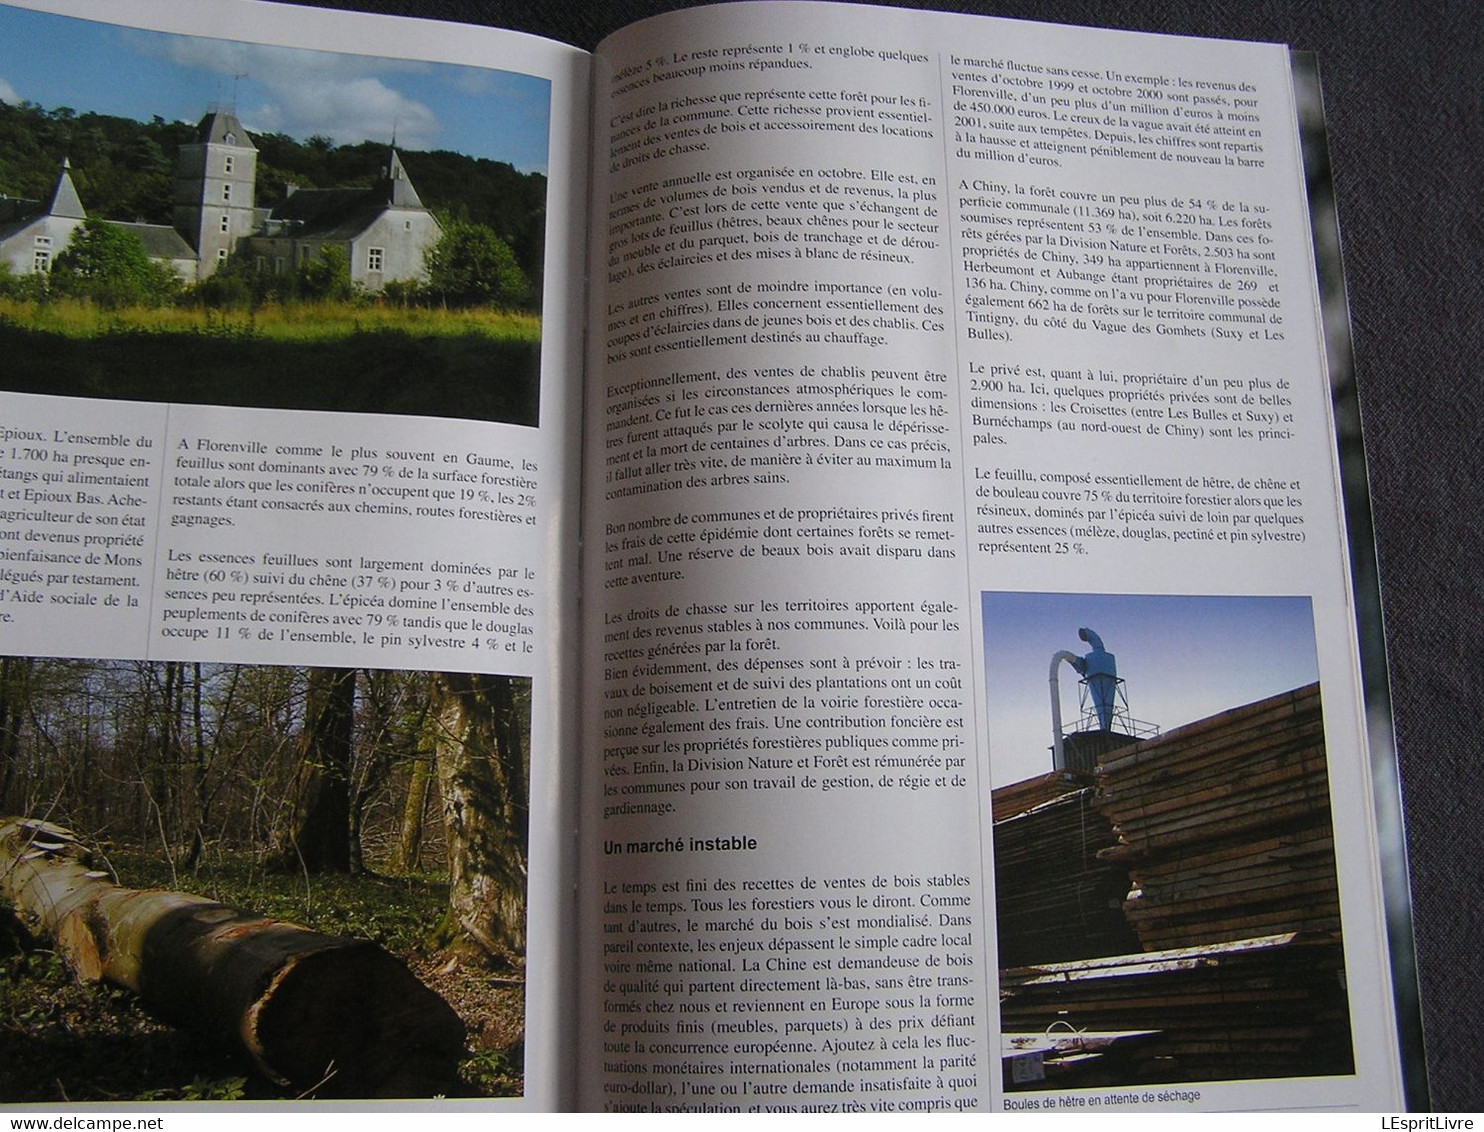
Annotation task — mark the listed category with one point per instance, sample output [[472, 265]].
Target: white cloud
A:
[[346, 98], [8, 94], [354, 110], [474, 82]]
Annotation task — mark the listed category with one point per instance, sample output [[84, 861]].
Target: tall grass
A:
[[294, 322], [349, 357]]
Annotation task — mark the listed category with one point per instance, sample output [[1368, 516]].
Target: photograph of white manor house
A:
[[205, 221], [383, 230]]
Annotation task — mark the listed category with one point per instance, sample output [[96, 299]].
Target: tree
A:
[[235, 284], [161, 745], [481, 723], [205, 790], [15, 703], [327, 276], [407, 853], [471, 266], [393, 726], [316, 837], [108, 264]]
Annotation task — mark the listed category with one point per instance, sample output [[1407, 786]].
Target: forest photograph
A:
[[206, 221], [224, 882]]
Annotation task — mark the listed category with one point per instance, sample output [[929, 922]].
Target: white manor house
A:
[[384, 230]]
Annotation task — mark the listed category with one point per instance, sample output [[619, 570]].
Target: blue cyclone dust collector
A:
[[1104, 722]]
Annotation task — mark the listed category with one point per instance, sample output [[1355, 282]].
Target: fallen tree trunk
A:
[[310, 1009]]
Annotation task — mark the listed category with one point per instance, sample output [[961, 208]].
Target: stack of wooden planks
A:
[[1064, 1058], [1224, 826], [1273, 1006], [1016, 798], [1054, 899], [1224, 829]]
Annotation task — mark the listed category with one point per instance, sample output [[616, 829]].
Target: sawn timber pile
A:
[[1224, 826]]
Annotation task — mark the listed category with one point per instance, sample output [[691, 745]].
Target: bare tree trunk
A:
[[482, 776], [414, 811], [378, 738], [419, 747], [311, 1010], [167, 754], [15, 675], [317, 835]]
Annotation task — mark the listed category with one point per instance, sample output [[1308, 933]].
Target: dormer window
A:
[[231, 138]]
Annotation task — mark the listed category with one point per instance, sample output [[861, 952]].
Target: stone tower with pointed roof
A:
[[32, 233], [215, 189]]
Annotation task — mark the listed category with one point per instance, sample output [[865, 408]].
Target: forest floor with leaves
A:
[[61, 1041]]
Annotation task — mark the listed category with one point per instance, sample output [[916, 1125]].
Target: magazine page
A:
[[976, 720], [289, 432]]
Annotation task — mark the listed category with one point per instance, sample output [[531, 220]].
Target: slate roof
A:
[[64, 199], [400, 193], [341, 214], [17, 212], [217, 125], [160, 240]]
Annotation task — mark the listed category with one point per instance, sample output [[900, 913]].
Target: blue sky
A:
[[1182, 658], [56, 61]]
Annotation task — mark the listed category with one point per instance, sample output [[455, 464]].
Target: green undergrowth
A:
[[397, 912], [64, 1041]]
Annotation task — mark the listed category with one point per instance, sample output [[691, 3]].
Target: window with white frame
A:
[[374, 259]]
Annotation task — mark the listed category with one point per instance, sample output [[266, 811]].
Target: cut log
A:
[[337, 1015]]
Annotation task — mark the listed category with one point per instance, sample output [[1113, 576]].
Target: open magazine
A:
[[815, 532]]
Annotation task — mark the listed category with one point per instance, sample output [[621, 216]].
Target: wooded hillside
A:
[[123, 170]]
